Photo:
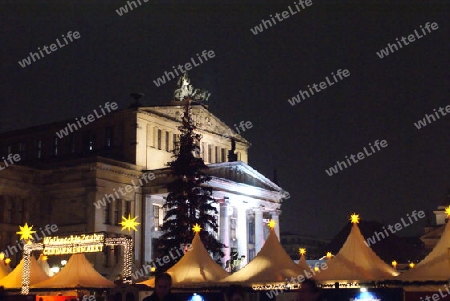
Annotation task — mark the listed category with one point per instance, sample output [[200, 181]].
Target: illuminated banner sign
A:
[[72, 244]]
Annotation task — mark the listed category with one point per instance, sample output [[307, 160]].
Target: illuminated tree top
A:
[[302, 251]]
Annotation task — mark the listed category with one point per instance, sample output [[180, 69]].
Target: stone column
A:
[[259, 232], [148, 228], [275, 217], [224, 230], [241, 233]]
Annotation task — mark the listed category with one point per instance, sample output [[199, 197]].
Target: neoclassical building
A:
[[81, 181]]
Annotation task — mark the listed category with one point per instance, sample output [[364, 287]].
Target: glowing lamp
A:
[[412, 265], [329, 255], [152, 269], [447, 211], [316, 269], [7, 260], [394, 264], [2, 256]]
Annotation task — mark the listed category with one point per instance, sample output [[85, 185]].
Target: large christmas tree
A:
[[189, 202]]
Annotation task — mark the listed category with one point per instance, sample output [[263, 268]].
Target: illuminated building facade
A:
[[116, 166]]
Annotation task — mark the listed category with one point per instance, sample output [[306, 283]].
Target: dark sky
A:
[[251, 78]]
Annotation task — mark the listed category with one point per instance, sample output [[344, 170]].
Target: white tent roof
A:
[[78, 272], [356, 262], [303, 265], [14, 279], [271, 265], [195, 268], [44, 265], [436, 265]]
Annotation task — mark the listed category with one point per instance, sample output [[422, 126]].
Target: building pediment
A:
[[240, 172], [205, 120]]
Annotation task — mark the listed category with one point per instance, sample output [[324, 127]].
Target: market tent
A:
[[302, 264], [355, 262], [435, 266], [42, 262], [195, 269], [271, 266], [14, 279], [77, 273], [3, 269]]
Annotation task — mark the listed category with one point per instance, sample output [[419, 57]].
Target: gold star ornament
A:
[[129, 223], [196, 228], [354, 218], [447, 211], [26, 232], [302, 251], [272, 224]]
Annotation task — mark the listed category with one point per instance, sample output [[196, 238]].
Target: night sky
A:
[[251, 79]]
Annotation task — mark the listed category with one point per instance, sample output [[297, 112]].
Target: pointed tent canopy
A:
[[78, 272], [272, 265], [14, 279], [3, 269], [436, 265], [356, 262], [44, 265], [196, 268], [302, 264]]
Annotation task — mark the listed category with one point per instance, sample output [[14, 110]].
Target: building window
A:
[[127, 208], [117, 211], [108, 136], [89, 142], [39, 149], [159, 137], [209, 153], [251, 232], [55, 146], [167, 141], [72, 142], [217, 153], [224, 154], [174, 147], [22, 150], [107, 212], [157, 217], [203, 151]]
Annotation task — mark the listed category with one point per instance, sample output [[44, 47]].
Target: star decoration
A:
[[329, 254], [26, 232], [271, 224], [196, 228], [302, 251], [354, 218], [129, 223], [447, 211]]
